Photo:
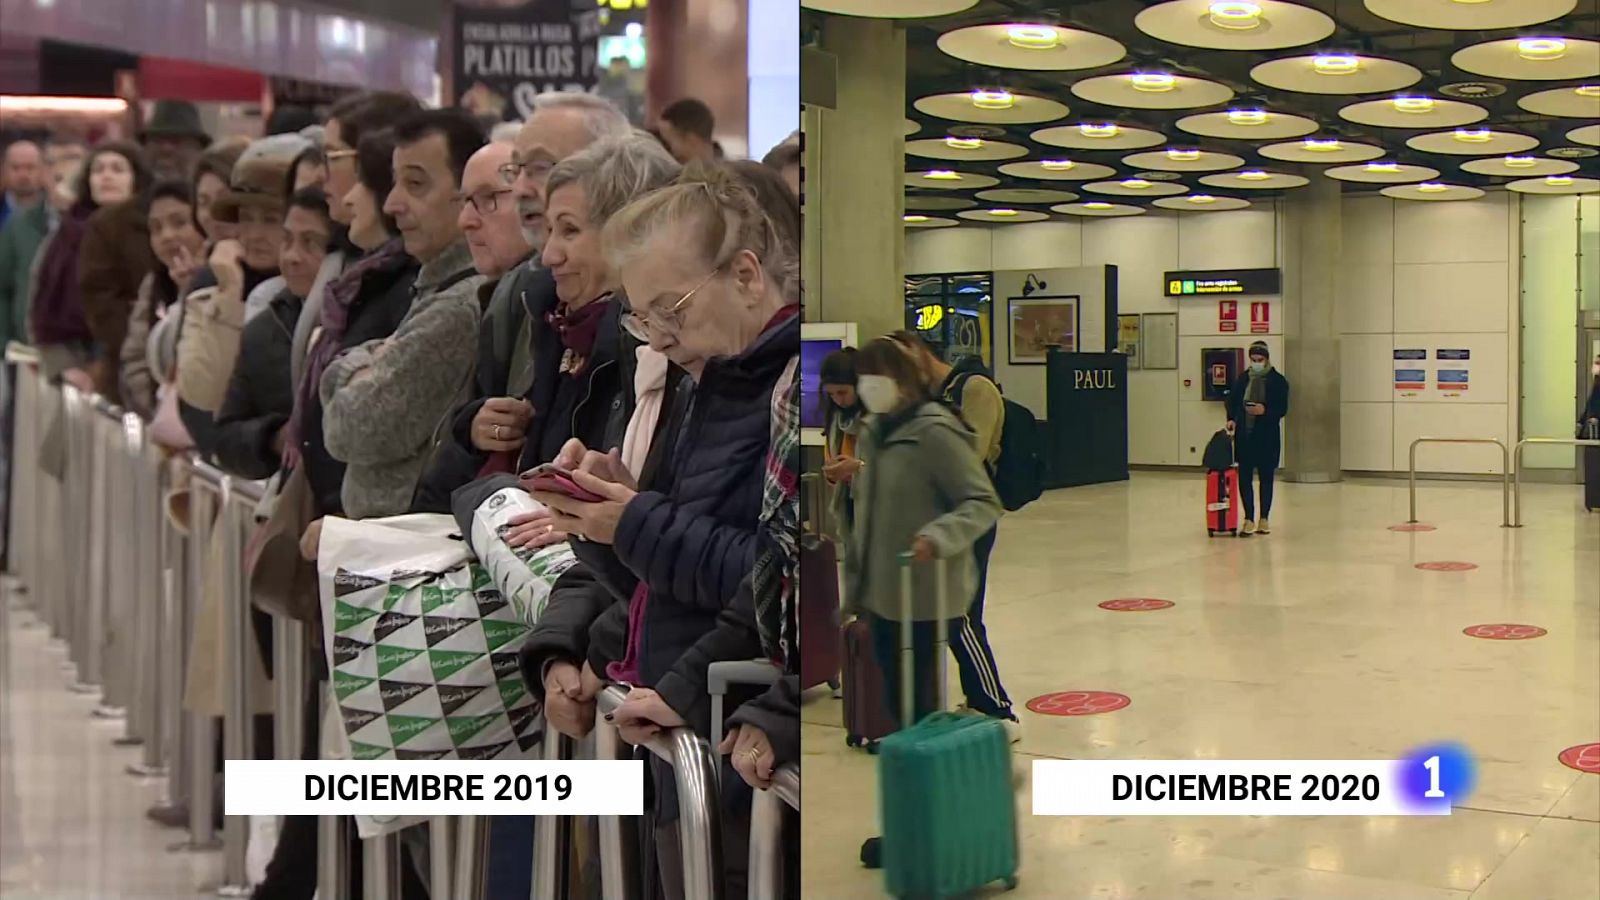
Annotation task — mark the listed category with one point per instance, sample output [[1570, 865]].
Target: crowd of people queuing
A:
[[376, 311]]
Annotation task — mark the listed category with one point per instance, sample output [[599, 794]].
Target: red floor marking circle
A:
[[1135, 604], [1584, 758], [1077, 703], [1447, 566], [1412, 526], [1504, 632]]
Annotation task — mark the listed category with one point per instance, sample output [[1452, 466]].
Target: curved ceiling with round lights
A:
[[1214, 104]]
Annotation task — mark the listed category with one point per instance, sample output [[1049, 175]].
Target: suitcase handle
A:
[[941, 638]]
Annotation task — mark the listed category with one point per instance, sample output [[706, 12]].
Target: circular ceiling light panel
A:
[[1035, 46], [1026, 195], [993, 107], [1247, 125], [1572, 152], [1555, 184], [890, 9], [1336, 73], [916, 221], [1432, 190], [964, 149], [1531, 58], [912, 127], [1098, 136], [1224, 25], [1321, 151], [926, 202], [1202, 203], [1473, 142], [1519, 166], [1182, 159], [1472, 90], [1413, 111], [1577, 102], [1383, 172], [1057, 170], [1470, 15], [1099, 208], [1151, 90], [1255, 180], [949, 180], [1136, 187], [1588, 134], [1003, 216]]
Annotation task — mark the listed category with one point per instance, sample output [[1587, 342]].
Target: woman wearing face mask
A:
[[1256, 407], [173, 236], [114, 172], [842, 420], [923, 491]]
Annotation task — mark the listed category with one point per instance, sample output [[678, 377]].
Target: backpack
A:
[[1219, 452], [1018, 474]]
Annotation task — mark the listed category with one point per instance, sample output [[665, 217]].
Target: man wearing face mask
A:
[[1256, 407]]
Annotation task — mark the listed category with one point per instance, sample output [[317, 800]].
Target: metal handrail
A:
[[1505, 481], [1516, 483], [766, 832]]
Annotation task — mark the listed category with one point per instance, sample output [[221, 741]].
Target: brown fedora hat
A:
[[261, 176]]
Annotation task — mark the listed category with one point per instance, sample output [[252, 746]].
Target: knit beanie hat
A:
[[1259, 348]]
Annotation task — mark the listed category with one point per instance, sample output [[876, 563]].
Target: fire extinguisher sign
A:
[[1260, 317]]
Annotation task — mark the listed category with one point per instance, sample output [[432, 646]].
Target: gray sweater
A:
[[384, 402]]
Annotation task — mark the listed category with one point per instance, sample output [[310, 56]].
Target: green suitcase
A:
[[948, 802]]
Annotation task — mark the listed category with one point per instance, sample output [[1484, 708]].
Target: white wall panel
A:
[[1366, 437], [1036, 245], [1454, 297], [1368, 226], [1153, 418], [1143, 248], [961, 249], [1459, 231], [1488, 375], [1486, 420], [1366, 373], [1238, 239], [1366, 303]]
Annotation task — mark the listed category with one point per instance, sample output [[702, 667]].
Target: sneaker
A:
[[1013, 729], [1263, 527], [1248, 529]]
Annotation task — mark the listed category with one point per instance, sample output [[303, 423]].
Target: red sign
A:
[[1228, 315], [1135, 604], [1447, 566], [1077, 703], [1584, 758], [1260, 317], [1504, 632], [1412, 526]]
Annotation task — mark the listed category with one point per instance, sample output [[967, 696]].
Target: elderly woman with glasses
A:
[[709, 267]]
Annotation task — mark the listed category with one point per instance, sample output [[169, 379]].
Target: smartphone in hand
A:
[[551, 478]]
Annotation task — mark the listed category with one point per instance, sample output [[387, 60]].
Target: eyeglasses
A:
[[662, 321], [484, 202], [331, 155], [536, 168]]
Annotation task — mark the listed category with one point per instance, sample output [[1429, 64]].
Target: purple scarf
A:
[[339, 297]]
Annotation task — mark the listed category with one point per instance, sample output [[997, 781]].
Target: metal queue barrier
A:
[[1516, 519], [766, 832], [1505, 483]]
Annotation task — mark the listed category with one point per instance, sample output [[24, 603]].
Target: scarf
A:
[[578, 329], [649, 387], [775, 578], [338, 300], [1255, 391]]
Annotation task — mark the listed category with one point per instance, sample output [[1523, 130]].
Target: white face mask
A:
[[879, 393], [1257, 367]]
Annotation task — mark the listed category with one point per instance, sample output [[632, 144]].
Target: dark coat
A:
[[114, 259], [1263, 446], [56, 307], [1591, 410], [384, 299], [260, 393]]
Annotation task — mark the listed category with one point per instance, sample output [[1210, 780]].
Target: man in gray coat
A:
[[386, 402]]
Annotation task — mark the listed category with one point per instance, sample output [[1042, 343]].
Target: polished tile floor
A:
[[1319, 641], [72, 823]]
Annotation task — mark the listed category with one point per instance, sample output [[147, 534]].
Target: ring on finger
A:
[[753, 754], [496, 432]]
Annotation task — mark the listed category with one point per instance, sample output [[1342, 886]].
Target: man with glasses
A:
[[488, 431]]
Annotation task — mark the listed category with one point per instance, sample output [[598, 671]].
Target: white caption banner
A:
[[1273, 787], [386, 787]]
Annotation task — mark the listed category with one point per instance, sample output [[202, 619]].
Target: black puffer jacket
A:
[[384, 299], [260, 393]]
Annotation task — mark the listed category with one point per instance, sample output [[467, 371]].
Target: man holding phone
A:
[[1256, 407]]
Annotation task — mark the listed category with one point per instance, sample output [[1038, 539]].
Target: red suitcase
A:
[[866, 710], [819, 612], [1222, 502]]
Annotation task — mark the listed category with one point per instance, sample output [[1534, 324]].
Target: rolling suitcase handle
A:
[[941, 641]]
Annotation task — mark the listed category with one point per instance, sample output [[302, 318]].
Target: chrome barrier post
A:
[[472, 857], [441, 855], [175, 605], [1516, 521], [766, 832], [1505, 473], [124, 575], [202, 728], [619, 843], [76, 521], [380, 861], [333, 863], [152, 558], [98, 646], [551, 834], [289, 685], [236, 680]]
